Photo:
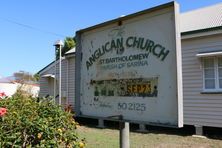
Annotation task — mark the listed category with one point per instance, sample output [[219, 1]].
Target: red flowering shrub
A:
[[2, 95], [30, 122], [2, 111]]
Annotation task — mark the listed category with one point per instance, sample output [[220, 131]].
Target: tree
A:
[[23, 76], [69, 43], [36, 77], [25, 81]]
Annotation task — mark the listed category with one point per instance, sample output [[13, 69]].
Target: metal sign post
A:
[[124, 130], [58, 45], [124, 134]]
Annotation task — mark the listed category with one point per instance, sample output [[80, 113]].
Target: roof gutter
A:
[[201, 30]]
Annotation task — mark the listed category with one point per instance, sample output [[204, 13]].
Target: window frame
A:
[[216, 74]]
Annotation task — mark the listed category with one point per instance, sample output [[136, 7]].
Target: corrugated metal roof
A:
[[203, 18]]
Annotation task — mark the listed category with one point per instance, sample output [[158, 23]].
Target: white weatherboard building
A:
[[201, 41], [201, 32], [47, 76]]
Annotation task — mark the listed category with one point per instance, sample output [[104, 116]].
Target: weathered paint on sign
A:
[[133, 69], [140, 87]]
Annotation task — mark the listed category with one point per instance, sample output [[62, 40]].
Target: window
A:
[[212, 73]]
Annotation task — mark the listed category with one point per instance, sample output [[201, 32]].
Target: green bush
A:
[[29, 122]]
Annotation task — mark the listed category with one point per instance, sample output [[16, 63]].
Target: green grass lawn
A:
[[109, 138]]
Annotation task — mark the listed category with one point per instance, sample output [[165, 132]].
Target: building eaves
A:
[[40, 71]]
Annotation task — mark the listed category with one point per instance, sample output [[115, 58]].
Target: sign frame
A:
[[177, 44]]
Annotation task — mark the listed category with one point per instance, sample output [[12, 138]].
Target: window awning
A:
[[48, 76], [209, 54]]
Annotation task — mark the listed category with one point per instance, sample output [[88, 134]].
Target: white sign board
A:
[[132, 67]]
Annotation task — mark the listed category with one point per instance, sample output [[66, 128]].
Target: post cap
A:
[[58, 43]]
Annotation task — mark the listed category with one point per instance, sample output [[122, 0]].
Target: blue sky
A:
[[28, 28]]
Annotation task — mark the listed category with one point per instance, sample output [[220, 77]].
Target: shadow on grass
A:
[[187, 130]]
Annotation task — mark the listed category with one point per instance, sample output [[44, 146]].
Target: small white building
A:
[[9, 87], [201, 39]]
